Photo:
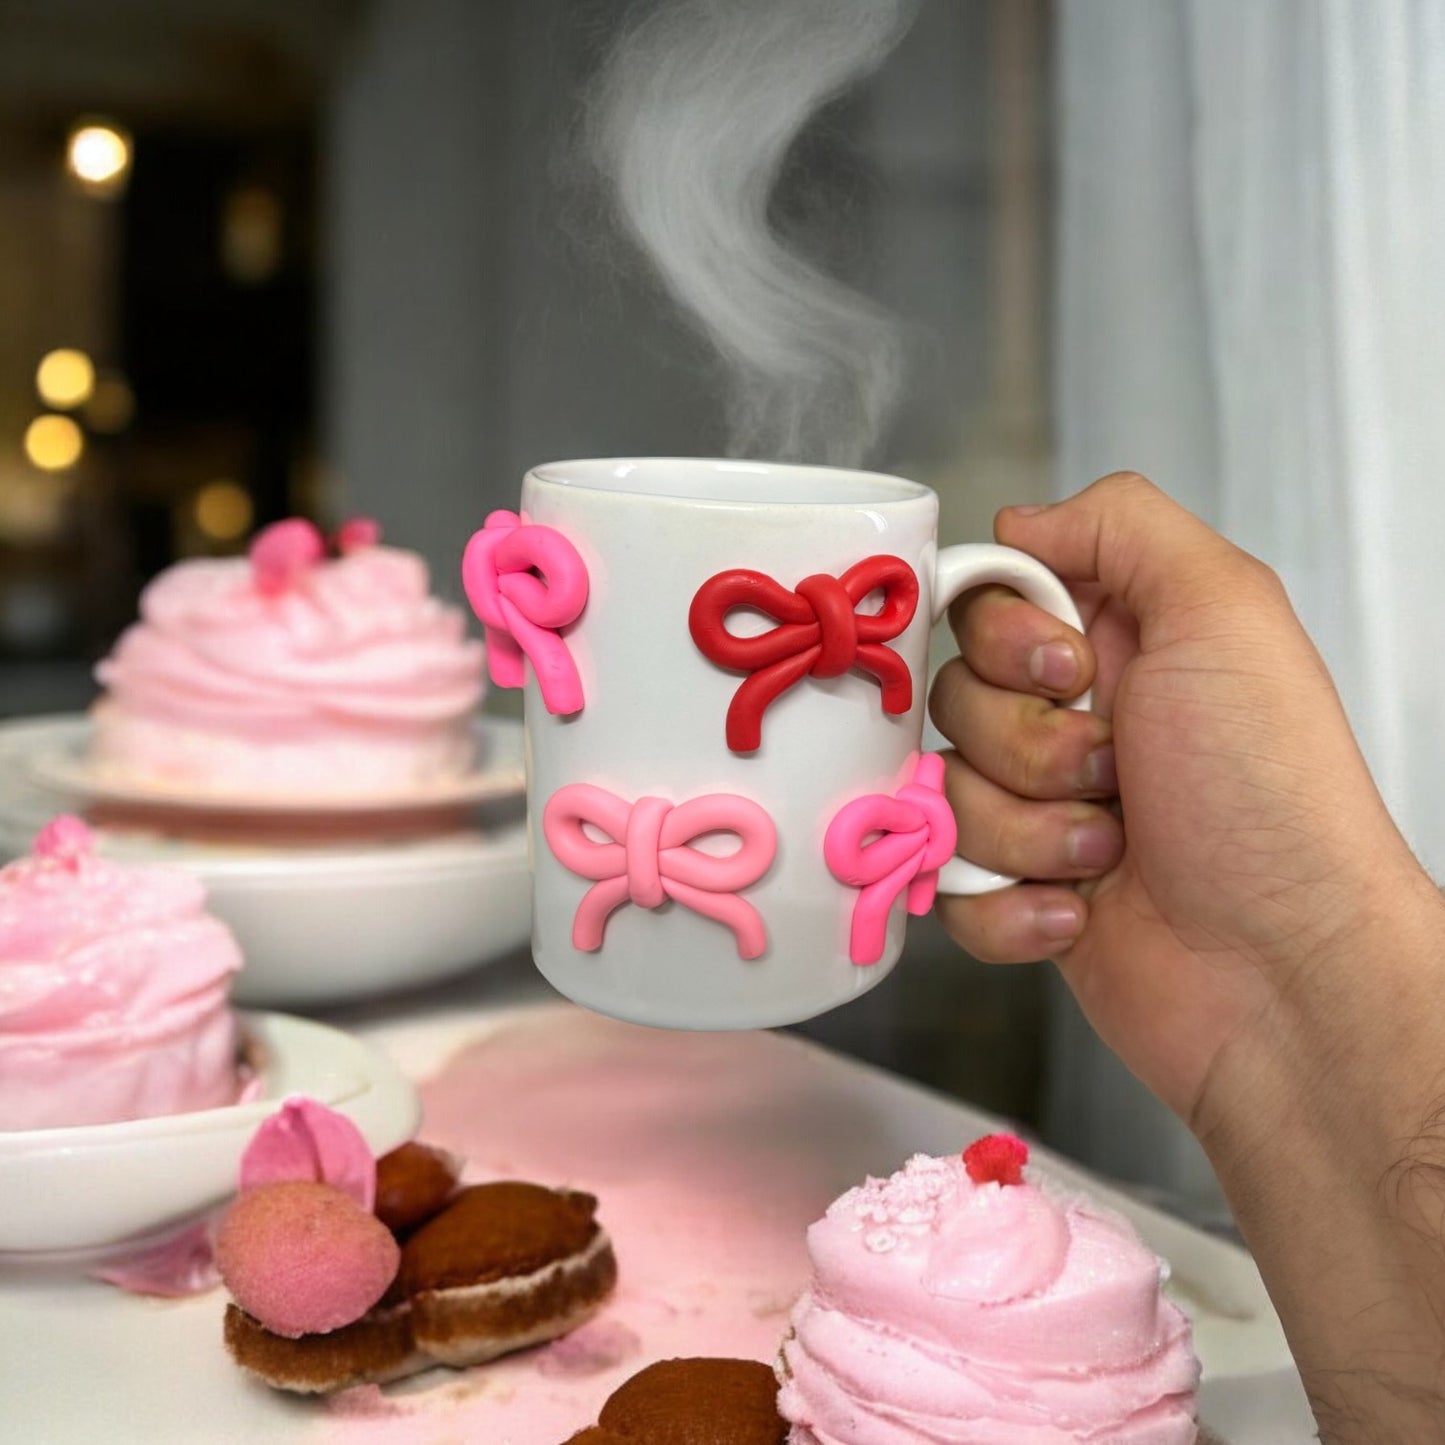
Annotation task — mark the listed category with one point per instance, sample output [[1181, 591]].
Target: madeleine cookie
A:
[[692, 1402], [342, 1275]]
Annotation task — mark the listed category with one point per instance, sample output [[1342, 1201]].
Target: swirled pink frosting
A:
[[345, 677], [942, 1310], [114, 986]]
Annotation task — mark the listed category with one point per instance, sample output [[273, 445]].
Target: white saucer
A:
[[78, 1194], [58, 758], [324, 915]]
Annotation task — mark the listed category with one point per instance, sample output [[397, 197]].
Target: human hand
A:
[[1254, 939], [1253, 847]]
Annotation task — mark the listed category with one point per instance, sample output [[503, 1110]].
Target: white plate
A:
[[81, 1193], [58, 758], [76, 1358], [322, 917]]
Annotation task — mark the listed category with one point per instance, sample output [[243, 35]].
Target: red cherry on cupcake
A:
[[997, 1159]]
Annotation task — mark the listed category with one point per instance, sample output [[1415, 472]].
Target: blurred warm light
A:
[[111, 405], [65, 378], [223, 511], [53, 443], [98, 155], [32, 506], [251, 235]]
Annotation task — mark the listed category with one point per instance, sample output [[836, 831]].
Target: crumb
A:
[[595, 1347], [769, 1306], [364, 1402]]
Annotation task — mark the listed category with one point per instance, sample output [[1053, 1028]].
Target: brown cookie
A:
[[502, 1266], [413, 1182], [377, 1348], [692, 1402]]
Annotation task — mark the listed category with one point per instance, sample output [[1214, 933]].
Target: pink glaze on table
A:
[[649, 856], [183, 1265], [709, 1155], [306, 1141], [946, 1310], [526, 583], [885, 845], [114, 987], [351, 677]]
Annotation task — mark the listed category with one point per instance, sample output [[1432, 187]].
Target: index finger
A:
[[1013, 644]]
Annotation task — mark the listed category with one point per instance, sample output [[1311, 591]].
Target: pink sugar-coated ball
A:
[[356, 533], [283, 552], [65, 839], [304, 1258]]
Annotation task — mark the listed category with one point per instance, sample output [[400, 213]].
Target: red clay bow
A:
[[819, 633]]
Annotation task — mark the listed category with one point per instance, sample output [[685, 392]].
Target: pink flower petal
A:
[[307, 1141]]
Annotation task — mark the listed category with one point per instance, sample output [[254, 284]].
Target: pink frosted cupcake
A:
[[114, 986], [958, 1303], [292, 672]]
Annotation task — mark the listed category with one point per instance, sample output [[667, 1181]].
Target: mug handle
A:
[[976, 564]]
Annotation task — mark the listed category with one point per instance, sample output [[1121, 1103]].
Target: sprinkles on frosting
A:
[[283, 553]]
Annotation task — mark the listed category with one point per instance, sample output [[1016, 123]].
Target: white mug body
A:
[[651, 532]]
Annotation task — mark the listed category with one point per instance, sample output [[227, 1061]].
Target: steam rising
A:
[[697, 109]]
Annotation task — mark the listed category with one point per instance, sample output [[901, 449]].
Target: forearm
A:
[[1327, 1130]]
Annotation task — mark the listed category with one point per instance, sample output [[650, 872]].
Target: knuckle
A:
[[969, 930], [1010, 838], [946, 696], [979, 617], [1035, 762], [1261, 575], [1127, 484]]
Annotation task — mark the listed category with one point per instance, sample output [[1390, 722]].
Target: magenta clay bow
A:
[[526, 582], [916, 836], [649, 857]]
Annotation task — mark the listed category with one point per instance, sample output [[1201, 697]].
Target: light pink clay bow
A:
[[916, 837], [649, 857], [525, 582]]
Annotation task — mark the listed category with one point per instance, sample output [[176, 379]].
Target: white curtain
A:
[[1252, 312]]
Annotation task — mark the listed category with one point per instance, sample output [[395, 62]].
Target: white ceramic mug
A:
[[721, 657]]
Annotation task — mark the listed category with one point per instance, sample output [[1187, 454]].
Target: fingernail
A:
[[1029, 509], [1059, 921], [1054, 666], [1099, 775], [1093, 845]]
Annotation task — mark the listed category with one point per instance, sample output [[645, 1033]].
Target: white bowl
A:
[[335, 926], [328, 908], [82, 1194]]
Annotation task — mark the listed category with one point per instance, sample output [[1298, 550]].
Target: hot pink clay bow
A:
[[650, 857], [917, 834], [525, 582]]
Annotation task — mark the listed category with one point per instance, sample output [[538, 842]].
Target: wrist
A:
[[1326, 1125], [1351, 1046]]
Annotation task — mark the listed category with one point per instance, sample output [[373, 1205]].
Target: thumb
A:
[[1138, 544]]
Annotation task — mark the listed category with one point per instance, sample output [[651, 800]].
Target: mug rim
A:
[[622, 477]]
